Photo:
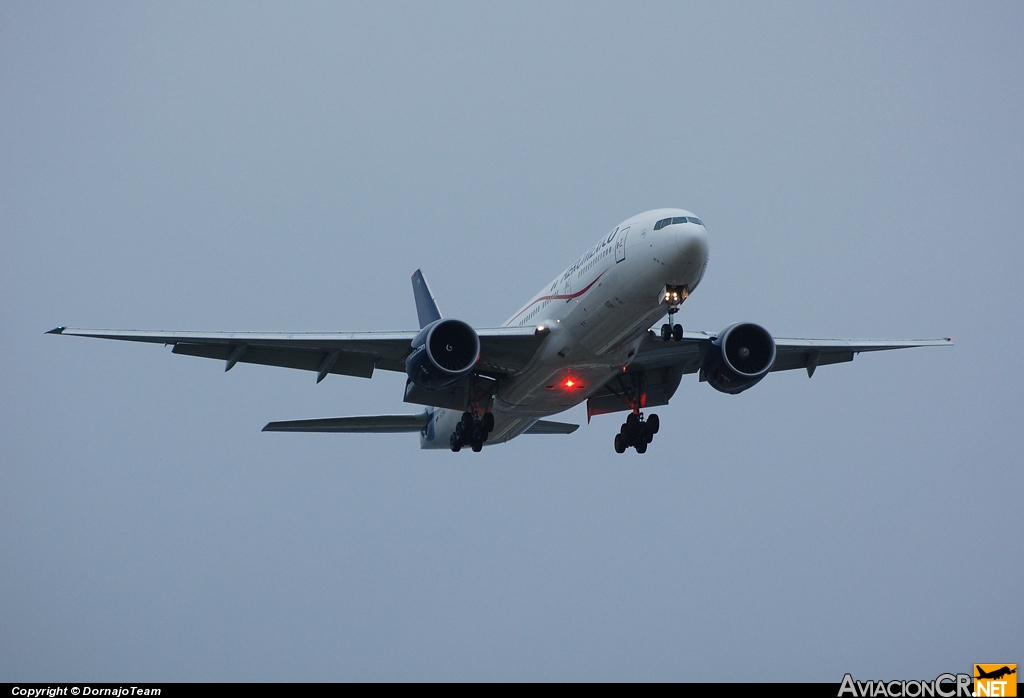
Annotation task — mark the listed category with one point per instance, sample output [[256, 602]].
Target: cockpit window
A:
[[678, 219]]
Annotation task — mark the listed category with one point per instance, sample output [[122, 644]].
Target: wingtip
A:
[[57, 330]]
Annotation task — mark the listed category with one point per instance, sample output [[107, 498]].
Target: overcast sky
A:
[[860, 169]]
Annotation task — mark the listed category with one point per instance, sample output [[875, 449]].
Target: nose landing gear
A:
[[670, 331], [673, 297], [637, 432], [472, 431]]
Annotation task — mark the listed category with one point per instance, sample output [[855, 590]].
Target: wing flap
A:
[[789, 360], [374, 424], [345, 364]]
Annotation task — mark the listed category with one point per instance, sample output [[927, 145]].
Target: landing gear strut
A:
[[670, 331], [472, 431], [637, 432]]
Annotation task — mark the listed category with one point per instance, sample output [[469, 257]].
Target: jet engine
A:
[[739, 357], [443, 352]]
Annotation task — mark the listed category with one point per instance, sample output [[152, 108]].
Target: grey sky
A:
[[284, 167]]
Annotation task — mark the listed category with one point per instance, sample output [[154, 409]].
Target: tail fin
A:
[[426, 308]]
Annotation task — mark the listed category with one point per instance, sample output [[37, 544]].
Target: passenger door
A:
[[620, 245]]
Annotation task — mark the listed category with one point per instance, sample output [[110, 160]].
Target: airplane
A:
[[996, 674], [586, 336]]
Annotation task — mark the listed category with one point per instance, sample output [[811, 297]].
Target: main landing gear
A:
[[637, 432], [472, 431]]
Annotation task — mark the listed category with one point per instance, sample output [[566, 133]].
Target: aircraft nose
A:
[[692, 241]]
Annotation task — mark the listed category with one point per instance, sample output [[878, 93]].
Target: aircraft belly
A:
[[548, 390]]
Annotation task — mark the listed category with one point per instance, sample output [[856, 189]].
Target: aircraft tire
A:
[[666, 332], [653, 424], [641, 447], [467, 421], [478, 445], [620, 444], [677, 333], [455, 444], [488, 422]]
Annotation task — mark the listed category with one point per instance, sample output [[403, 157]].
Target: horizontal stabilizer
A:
[[376, 424], [542, 426]]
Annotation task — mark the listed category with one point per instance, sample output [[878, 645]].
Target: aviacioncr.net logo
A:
[[943, 686]]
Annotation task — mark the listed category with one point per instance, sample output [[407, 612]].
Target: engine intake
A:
[[443, 352], [739, 357]]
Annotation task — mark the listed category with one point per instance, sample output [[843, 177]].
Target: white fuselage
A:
[[596, 311]]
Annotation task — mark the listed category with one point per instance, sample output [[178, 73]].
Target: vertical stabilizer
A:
[[426, 308]]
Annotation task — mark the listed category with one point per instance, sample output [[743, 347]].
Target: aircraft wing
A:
[[662, 364], [811, 353], [686, 356], [503, 350]]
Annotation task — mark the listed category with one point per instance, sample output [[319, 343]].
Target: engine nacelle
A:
[[739, 357], [443, 352]]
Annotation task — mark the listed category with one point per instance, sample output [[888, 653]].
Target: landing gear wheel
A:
[[677, 333], [653, 424], [467, 421], [620, 444], [487, 422], [455, 444], [478, 445], [641, 447], [632, 421], [666, 332]]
